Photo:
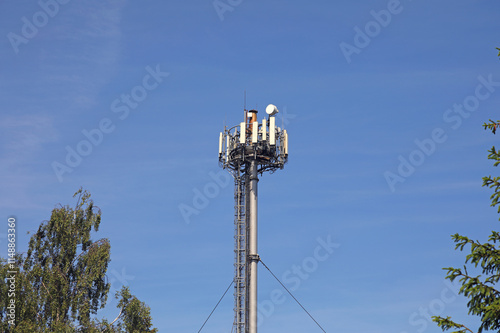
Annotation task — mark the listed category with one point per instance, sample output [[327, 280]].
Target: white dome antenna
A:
[[271, 109]]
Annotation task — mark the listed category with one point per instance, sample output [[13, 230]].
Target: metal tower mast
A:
[[246, 150]]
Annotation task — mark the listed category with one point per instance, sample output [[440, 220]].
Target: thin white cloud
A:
[[85, 46], [25, 134], [22, 142]]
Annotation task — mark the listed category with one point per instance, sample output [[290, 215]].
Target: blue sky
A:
[[383, 102]]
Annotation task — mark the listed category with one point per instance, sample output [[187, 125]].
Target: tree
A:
[[61, 281], [136, 317], [484, 298]]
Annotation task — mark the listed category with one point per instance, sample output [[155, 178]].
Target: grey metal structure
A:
[[247, 150]]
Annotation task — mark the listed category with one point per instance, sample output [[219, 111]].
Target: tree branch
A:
[[43, 284], [121, 310]]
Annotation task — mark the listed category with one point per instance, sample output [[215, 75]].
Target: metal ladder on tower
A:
[[240, 252]]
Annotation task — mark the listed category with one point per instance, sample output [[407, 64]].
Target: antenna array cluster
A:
[[263, 142]]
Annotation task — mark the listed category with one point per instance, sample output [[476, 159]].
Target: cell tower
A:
[[246, 150]]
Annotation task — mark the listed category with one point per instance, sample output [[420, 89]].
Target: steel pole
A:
[[253, 257]]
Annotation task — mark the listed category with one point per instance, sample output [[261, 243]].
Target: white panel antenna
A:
[[220, 143], [286, 142], [272, 131], [255, 132], [264, 126], [242, 133]]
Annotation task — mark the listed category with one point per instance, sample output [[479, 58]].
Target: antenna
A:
[[247, 150], [282, 121], [271, 109], [245, 106]]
